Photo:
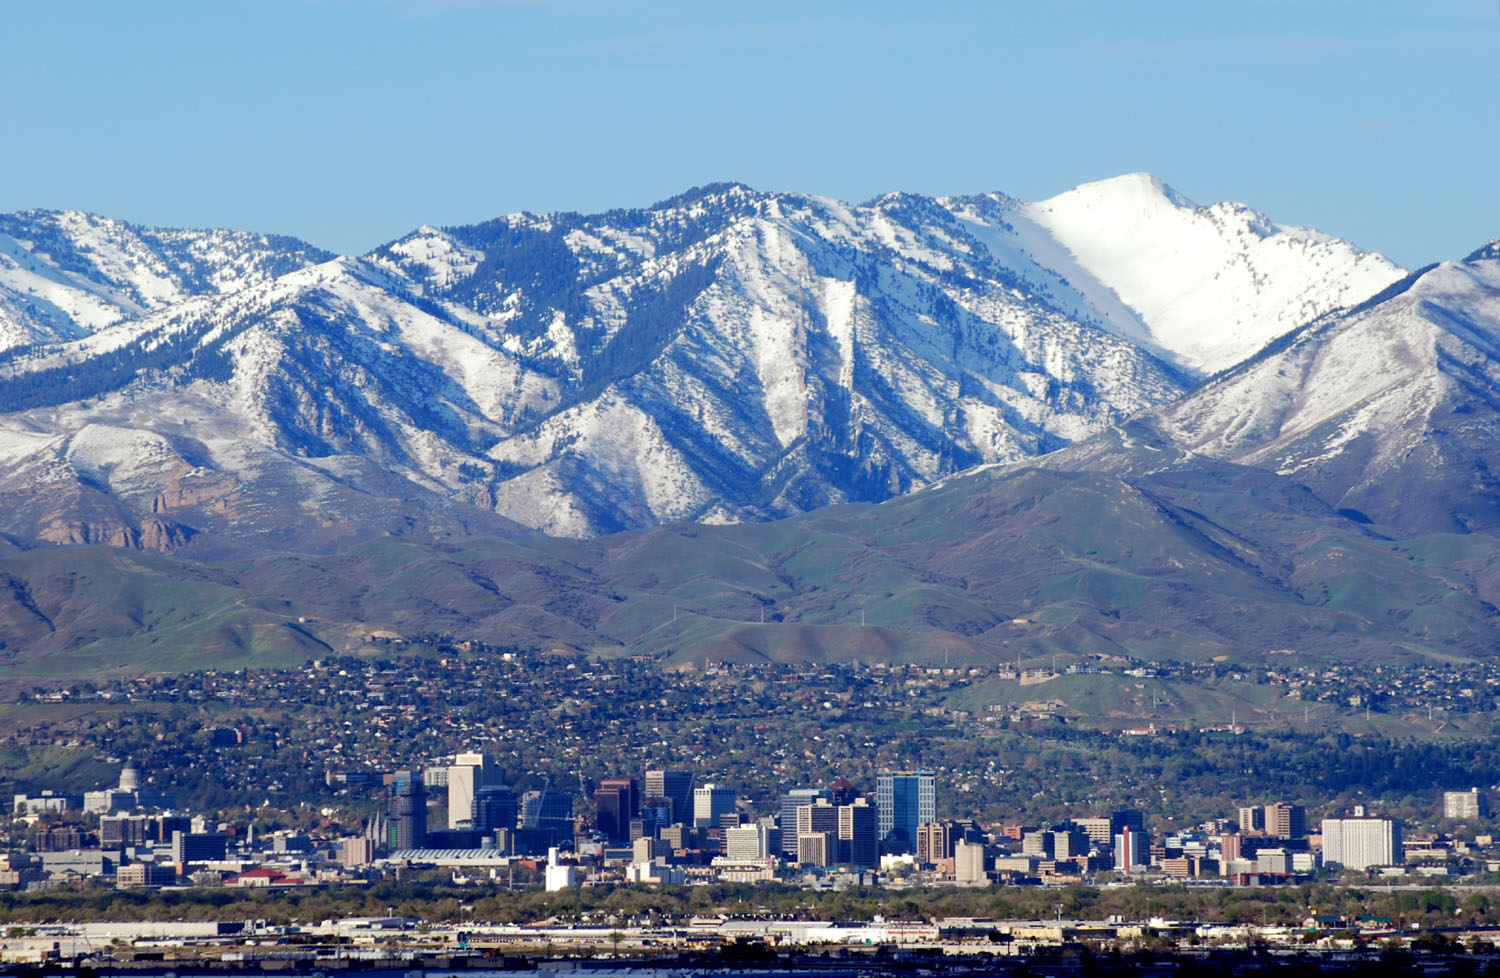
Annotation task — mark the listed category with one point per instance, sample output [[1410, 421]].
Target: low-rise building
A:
[[145, 874], [81, 862]]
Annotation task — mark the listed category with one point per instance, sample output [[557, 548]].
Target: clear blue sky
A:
[[349, 122]]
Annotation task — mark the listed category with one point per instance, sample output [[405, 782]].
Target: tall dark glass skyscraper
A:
[[616, 802], [547, 809], [408, 811], [905, 799], [495, 807], [676, 785]]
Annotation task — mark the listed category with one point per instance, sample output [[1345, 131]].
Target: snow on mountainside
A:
[[725, 355], [64, 274], [734, 355], [1210, 285], [1389, 411]]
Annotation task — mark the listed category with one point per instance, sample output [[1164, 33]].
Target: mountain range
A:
[[724, 356], [1110, 421]]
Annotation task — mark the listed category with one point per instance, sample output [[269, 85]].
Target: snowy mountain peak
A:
[[1211, 285], [1488, 252], [1139, 190]]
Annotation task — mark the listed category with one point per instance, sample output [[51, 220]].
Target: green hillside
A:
[[1189, 562]]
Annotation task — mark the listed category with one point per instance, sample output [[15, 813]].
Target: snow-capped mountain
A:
[[726, 355], [66, 274], [1208, 285], [1389, 411]]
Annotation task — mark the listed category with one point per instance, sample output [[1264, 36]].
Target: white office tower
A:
[[469, 773], [557, 876], [711, 804], [1456, 804], [1359, 843], [746, 843]]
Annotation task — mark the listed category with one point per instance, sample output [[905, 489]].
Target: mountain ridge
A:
[[1391, 401], [726, 355], [1317, 500]]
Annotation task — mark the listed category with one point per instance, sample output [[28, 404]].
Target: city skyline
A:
[[1269, 844]]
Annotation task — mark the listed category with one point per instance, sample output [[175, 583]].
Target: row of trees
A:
[[432, 899]]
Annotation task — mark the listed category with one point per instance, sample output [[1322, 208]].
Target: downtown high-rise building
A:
[[468, 773], [787, 815], [1039, 844], [496, 807], [1469, 804], [1359, 843], [821, 816], [935, 841], [817, 848], [547, 809], [746, 843], [904, 799], [1096, 829], [859, 835], [616, 802], [818, 833], [713, 807], [1286, 821], [677, 787], [1132, 850], [408, 811], [655, 815]]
